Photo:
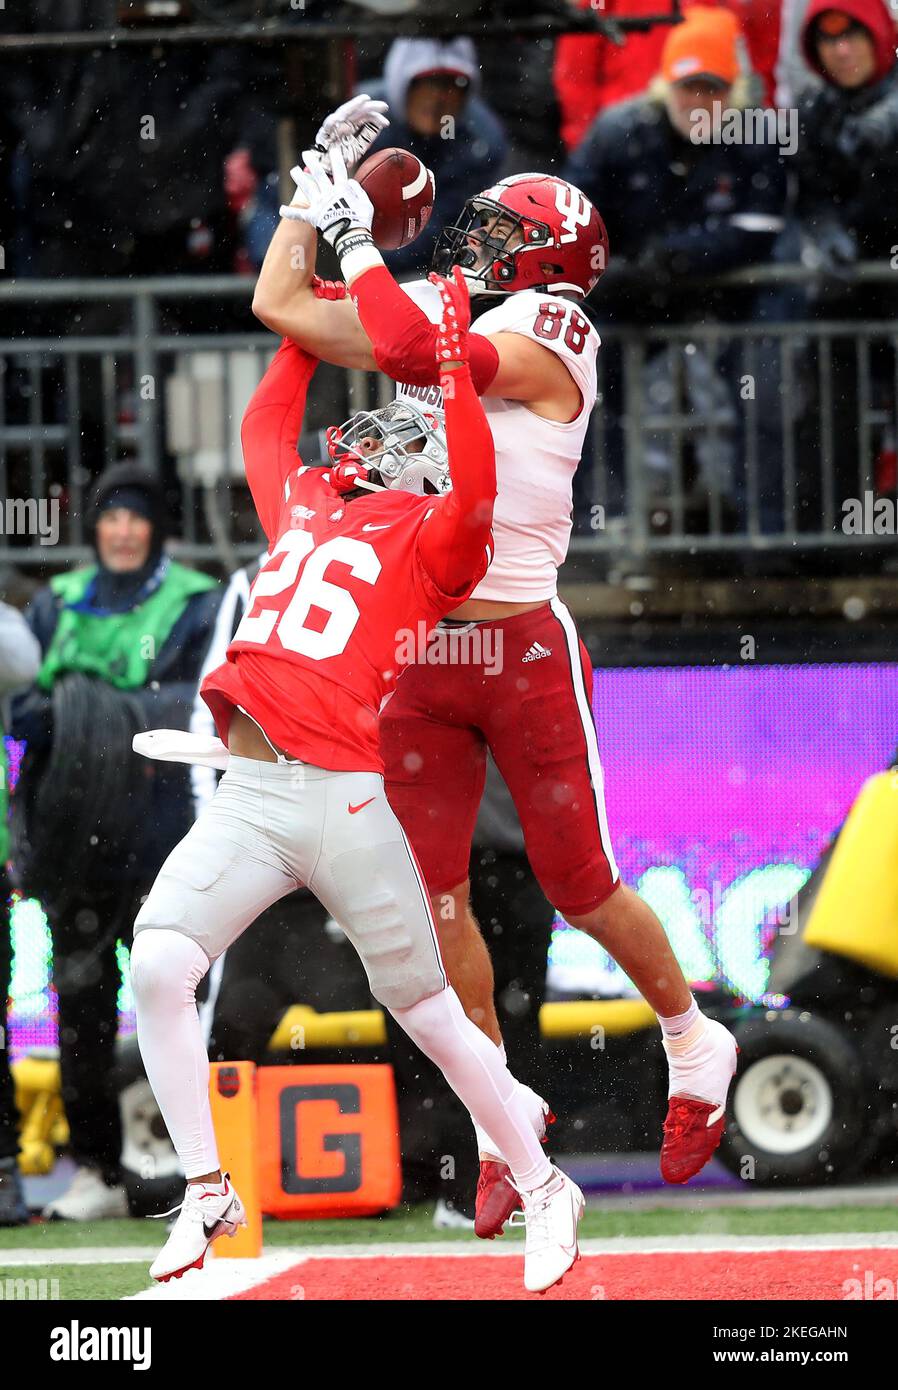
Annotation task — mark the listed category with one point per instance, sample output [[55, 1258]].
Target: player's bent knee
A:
[[407, 993], [166, 968], [596, 921], [425, 1020]]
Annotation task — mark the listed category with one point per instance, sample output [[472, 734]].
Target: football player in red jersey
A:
[[531, 248], [359, 553]]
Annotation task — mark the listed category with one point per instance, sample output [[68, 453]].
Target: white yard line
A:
[[80, 1255], [220, 1279]]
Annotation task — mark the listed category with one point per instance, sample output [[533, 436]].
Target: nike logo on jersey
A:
[[368, 527], [536, 652], [361, 807]]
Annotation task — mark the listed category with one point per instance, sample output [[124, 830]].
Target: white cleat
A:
[[206, 1213], [87, 1198], [551, 1216]]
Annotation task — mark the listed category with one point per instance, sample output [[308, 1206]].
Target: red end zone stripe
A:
[[687, 1274]]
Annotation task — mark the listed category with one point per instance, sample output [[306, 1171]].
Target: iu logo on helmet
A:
[[574, 209]]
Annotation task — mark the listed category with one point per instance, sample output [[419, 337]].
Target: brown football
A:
[[401, 189]]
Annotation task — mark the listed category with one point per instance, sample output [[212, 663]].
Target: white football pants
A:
[[269, 829]]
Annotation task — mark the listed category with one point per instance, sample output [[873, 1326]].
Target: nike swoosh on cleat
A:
[[352, 809]]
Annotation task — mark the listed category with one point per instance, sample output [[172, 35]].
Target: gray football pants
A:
[[273, 827]]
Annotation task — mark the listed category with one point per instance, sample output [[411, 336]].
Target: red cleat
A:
[[496, 1199], [692, 1131]]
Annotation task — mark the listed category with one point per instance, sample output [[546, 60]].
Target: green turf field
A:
[[415, 1224], [105, 1280]]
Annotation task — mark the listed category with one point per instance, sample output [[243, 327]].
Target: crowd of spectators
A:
[[142, 161]]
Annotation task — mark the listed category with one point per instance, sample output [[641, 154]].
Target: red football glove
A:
[[452, 332], [328, 289]]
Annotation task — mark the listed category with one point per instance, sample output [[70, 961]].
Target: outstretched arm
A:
[[455, 542], [402, 336], [286, 299], [271, 428]]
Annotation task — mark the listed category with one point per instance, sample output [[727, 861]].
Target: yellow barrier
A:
[[302, 1027], [577, 1017], [855, 912], [38, 1100], [37, 1084]]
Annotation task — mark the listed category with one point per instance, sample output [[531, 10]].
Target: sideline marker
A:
[[232, 1092]]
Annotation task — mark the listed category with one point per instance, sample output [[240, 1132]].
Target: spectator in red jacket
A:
[[592, 73]]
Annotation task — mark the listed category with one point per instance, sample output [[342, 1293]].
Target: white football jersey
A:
[[536, 459]]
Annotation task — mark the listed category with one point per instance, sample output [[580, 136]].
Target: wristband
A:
[[357, 252]]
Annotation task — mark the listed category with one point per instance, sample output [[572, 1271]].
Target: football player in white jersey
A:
[[531, 248]]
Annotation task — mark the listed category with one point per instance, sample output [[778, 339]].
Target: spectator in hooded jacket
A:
[[848, 153], [436, 111], [847, 196], [136, 624]]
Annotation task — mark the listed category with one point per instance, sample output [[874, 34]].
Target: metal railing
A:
[[711, 436]]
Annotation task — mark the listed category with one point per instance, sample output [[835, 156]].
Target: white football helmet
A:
[[400, 446]]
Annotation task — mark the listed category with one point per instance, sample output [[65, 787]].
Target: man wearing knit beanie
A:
[[131, 629]]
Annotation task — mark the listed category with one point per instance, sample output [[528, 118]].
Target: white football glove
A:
[[334, 204], [351, 129]]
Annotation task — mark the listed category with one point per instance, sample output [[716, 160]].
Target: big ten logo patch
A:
[[328, 1140]]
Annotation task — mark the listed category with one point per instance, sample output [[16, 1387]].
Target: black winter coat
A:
[[848, 166], [674, 209]]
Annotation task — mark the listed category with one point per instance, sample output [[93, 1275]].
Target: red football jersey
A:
[[343, 589]]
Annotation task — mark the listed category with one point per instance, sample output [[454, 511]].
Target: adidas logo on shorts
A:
[[536, 652]]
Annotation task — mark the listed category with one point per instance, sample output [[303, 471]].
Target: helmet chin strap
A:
[[477, 288]]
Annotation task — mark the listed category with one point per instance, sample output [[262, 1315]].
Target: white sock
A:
[[678, 1024], [166, 968], [474, 1069]]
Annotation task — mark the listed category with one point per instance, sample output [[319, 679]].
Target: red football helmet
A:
[[531, 231]]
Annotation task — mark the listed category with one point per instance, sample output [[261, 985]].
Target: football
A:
[[401, 189]]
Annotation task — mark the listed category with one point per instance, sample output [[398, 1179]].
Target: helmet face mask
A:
[[530, 231], [400, 447], [484, 242]]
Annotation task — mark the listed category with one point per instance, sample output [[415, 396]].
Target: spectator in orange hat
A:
[[677, 200], [591, 72], [679, 203]]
